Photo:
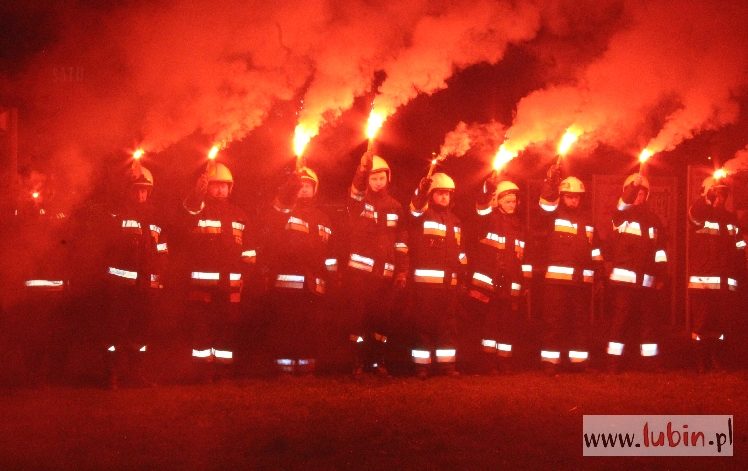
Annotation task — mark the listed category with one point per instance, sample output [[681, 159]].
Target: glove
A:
[[366, 160], [491, 184], [424, 185], [629, 193], [554, 173], [201, 187]]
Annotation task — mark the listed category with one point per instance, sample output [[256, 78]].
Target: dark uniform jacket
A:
[[219, 247], [571, 250], [298, 251], [716, 252], [638, 253], [136, 246], [38, 250], [437, 257], [496, 261], [378, 242]]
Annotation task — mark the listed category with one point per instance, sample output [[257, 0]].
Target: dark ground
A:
[[515, 421]]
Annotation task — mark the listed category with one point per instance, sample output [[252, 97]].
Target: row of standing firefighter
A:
[[419, 255]]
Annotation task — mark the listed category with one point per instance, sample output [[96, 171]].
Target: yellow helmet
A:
[[441, 181], [571, 185], [221, 174], [378, 164], [137, 175], [711, 183], [306, 173], [630, 179], [141, 177], [506, 187]]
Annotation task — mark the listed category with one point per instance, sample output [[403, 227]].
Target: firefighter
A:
[[437, 261], [377, 262], [716, 257], [497, 271], [570, 256], [136, 254], [38, 280], [301, 265], [220, 247], [638, 271]]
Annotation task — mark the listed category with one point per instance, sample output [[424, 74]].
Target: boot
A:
[[449, 369], [422, 371], [358, 370], [377, 355], [715, 359], [379, 369], [651, 364], [112, 368], [508, 365], [359, 356], [138, 369], [285, 367], [489, 363], [202, 371], [702, 356], [306, 366], [614, 364], [223, 372], [551, 369]]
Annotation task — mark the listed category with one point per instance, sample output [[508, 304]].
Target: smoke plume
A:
[[670, 72]]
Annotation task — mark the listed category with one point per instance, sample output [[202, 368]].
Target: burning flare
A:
[[434, 162], [567, 140], [374, 124], [503, 156], [213, 152], [301, 137], [136, 156], [645, 155], [719, 174], [35, 194]]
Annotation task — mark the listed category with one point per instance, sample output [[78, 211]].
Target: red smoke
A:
[[629, 73], [674, 69]]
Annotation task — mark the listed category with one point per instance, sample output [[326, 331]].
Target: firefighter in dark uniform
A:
[[300, 262], [716, 265], [638, 271], [221, 252], [377, 262], [136, 254], [38, 280], [437, 262], [497, 271], [570, 256]]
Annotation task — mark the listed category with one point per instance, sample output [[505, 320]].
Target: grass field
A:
[[525, 420]]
